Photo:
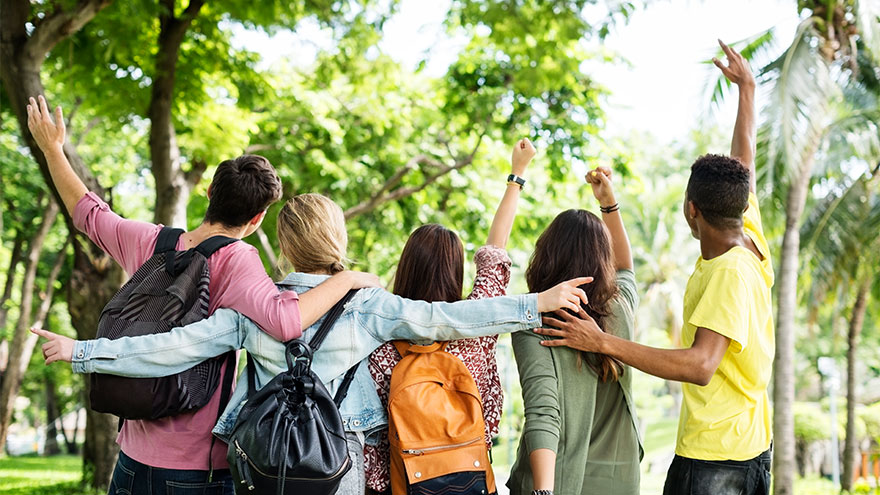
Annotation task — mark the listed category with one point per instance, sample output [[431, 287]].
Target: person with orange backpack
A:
[[434, 436]]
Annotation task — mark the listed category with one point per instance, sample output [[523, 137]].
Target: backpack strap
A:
[[251, 369], [332, 315], [167, 240], [210, 245], [343, 387], [404, 347], [225, 392]]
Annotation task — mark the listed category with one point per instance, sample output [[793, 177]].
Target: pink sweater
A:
[[238, 281]]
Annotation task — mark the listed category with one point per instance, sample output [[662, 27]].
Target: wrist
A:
[[542, 492], [53, 149], [607, 202]]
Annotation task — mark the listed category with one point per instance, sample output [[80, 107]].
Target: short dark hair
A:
[[719, 188], [242, 188]]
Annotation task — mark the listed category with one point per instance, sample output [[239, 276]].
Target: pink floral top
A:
[[478, 355]]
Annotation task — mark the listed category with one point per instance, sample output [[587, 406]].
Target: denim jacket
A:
[[372, 317]]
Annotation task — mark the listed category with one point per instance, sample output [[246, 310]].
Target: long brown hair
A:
[[431, 266], [577, 244]]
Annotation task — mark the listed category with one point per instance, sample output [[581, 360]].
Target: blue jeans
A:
[[697, 477], [130, 477]]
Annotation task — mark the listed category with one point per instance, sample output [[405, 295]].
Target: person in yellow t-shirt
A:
[[725, 426]]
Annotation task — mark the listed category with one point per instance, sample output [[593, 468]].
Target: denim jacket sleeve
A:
[[164, 353], [389, 317]]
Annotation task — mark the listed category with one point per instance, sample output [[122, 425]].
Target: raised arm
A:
[[600, 181], [50, 137], [742, 145], [499, 232]]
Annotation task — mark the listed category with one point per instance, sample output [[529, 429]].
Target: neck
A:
[[206, 230], [715, 242]]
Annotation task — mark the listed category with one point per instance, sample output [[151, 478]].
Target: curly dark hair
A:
[[719, 188]]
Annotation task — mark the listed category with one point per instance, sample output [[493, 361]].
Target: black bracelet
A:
[[542, 492], [609, 209], [516, 180]]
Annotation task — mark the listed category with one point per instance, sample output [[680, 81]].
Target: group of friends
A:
[[572, 334]]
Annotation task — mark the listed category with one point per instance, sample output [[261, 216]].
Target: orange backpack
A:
[[435, 425]]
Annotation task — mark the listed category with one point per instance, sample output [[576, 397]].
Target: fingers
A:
[[727, 50], [551, 321], [42, 333], [552, 332], [580, 281], [59, 119], [554, 343], [584, 315], [44, 110], [582, 296]]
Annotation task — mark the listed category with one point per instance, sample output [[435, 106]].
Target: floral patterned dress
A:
[[478, 355]]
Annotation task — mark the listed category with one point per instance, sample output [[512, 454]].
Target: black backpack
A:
[[169, 290], [289, 438]]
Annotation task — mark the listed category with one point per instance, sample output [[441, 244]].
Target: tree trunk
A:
[[23, 50], [850, 449], [14, 258], [52, 418], [783, 365], [19, 354], [173, 185]]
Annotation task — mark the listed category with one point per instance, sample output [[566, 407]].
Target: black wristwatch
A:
[[542, 492], [518, 181]]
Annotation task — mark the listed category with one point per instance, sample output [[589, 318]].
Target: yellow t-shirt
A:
[[730, 418]]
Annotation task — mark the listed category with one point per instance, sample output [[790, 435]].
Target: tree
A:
[[843, 234], [805, 113], [95, 277]]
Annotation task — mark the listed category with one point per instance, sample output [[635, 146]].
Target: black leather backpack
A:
[[289, 438], [169, 290]]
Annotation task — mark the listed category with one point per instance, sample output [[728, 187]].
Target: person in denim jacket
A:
[[311, 230]]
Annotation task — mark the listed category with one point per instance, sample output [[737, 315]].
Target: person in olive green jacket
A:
[[581, 432]]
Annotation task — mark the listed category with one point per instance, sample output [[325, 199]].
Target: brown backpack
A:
[[435, 425]]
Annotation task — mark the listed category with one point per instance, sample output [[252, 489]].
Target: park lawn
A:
[[33, 475], [60, 475]]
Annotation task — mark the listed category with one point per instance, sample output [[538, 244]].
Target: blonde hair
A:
[[311, 231]]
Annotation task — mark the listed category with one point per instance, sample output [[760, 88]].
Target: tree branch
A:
[[195, 172], [92, 123], [59, 25], [385, 195]]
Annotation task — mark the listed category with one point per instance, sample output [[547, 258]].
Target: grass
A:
[[33, 475], [60, 475]]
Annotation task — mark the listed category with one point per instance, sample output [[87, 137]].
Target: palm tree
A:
[[843, 234], [812, 108]]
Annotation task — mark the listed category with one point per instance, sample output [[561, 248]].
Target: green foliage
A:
[[810, 422]]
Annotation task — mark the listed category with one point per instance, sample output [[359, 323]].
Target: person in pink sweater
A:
[[159, 456]]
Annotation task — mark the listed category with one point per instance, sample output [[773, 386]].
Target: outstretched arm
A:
[[600, 180], [696, 364], [744, 131], [499, 232], [50, 137]]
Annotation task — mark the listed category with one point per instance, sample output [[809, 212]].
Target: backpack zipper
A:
[[426, 450], [244, 467], [243, 457]]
